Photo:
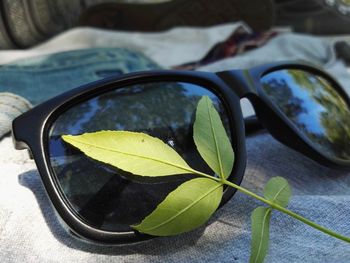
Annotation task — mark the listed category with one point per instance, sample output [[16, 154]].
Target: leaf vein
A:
[[262, 234], [279, 191], [184, 209], [136, 155], [215, 141]]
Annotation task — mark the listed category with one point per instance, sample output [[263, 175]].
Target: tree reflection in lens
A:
[[314, 106], [111, 199]]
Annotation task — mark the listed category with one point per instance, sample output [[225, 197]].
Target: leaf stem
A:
[[205, 175], [288, 212]]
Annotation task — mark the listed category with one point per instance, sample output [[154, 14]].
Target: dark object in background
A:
[[342, 49], [320, 17], [24, 23], [258, 14]]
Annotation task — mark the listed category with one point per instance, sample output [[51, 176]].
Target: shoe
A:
[[24, 23], [321, 17], [258, 14]]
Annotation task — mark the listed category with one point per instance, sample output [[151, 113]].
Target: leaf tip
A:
[[205, 99], [66, 138]]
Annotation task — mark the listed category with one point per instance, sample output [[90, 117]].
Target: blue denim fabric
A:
[[40, 78]]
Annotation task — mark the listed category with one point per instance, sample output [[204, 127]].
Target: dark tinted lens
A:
[[313, 104], [108, 198]]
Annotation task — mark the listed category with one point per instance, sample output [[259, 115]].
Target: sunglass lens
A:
[[315, 106], [110, 199]]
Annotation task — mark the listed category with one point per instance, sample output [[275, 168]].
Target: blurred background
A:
[[24, 23]]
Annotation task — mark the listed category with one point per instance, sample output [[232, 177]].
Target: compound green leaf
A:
[[186, 208], [137, 153], [211, 139], [278, 191], [260, 220]]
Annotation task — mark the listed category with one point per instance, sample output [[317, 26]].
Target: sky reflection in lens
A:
[[314, 106]]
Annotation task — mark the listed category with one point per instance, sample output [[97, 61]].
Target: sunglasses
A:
[[300, 105]]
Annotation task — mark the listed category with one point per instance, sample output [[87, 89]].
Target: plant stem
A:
[[205, 175], [286, 211]]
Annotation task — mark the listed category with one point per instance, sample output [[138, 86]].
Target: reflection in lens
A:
[[314, 106], [111, 199]]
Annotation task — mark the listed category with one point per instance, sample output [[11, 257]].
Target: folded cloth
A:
[[169, 48], [11, 106], [239, 42], [30, 230]]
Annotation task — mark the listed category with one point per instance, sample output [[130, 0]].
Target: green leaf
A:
[[211, 139], [137, 153], [278, 191], [260, 234], [186, 208]]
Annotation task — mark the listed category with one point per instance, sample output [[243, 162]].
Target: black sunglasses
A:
[[300, 105]]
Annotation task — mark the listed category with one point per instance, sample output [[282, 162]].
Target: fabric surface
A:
[[31, 232], [172, 47]]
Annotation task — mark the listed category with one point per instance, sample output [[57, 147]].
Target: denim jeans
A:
[[40, 78]]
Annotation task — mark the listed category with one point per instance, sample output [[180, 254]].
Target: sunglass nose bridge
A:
[[240, 81]]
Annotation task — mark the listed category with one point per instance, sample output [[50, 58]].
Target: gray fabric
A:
[[32, 233], [30, 230]]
